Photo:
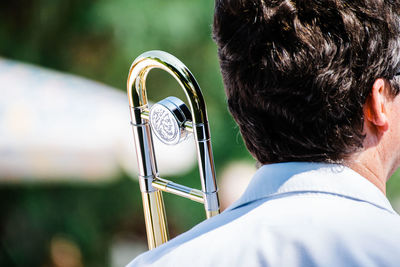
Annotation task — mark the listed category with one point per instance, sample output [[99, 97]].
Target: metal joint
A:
[[146, 184], [211, 200], [202, 131]]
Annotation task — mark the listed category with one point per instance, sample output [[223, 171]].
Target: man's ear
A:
[[376, 106]]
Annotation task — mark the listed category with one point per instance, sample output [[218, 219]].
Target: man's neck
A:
[[369, 165], [368, 174]]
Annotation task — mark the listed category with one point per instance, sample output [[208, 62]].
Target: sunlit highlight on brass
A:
[[150, 184]]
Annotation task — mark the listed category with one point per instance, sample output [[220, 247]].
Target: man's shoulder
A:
[[302, 227], [298, 216]]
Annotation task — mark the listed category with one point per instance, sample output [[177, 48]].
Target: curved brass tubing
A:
[[150, 182]]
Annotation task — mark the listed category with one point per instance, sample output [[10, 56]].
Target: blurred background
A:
[[68, 192]]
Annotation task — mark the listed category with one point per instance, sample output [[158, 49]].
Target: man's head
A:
[[298, 73]]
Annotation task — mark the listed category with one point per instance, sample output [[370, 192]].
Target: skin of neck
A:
[[380, 155], [370, 165]]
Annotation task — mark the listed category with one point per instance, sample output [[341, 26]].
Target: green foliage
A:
[[99, 40], [88, 215]]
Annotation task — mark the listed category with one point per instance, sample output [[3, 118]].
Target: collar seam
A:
[[304, 192]]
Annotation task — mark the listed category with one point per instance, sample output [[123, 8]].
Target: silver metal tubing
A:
[[180, 190], [197, 123], [144, 151], [208, 185]]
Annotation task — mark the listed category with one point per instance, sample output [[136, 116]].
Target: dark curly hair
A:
[[297, 73]]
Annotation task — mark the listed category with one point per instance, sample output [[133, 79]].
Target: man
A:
[[313, 86]]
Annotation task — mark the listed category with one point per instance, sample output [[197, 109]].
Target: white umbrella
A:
[[60, 127]]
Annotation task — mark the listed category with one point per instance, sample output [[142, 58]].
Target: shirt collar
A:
[[300, 177]]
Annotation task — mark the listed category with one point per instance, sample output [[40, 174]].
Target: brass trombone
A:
[[171, 121]]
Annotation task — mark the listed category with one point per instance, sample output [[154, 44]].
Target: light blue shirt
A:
[[293, 214]]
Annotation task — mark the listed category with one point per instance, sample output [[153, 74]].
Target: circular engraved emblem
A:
[[164, 124]]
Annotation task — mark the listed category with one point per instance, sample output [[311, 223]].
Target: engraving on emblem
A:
[[164, 124]]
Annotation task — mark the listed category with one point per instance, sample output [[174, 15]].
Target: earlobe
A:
[[375, 108]]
